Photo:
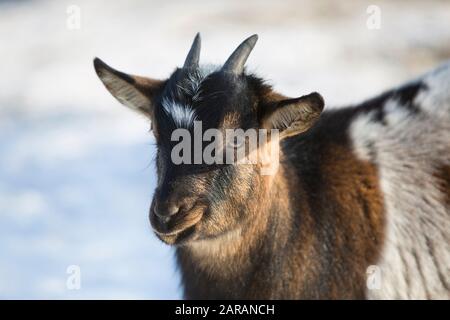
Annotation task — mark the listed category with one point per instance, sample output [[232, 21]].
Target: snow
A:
[[76, 168]]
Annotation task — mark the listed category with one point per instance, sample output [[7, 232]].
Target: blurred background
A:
[[76, 168]]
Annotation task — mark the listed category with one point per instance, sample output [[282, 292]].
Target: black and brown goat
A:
[[360, 188]]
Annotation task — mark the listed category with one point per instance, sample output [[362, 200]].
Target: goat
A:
[[365, 187]]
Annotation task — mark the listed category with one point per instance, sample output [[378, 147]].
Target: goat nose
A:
[[165, 211]]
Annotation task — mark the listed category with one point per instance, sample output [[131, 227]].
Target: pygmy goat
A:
[[358, 206]]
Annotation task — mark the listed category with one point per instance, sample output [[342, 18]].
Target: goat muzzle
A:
[[169, 227]]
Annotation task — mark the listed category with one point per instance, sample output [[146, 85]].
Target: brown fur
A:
[[309, 231], [276, 253]]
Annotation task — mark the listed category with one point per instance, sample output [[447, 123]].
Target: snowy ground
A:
[[76, 168]]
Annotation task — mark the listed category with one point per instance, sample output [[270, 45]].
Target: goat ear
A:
[[134, 92], [293, 116]]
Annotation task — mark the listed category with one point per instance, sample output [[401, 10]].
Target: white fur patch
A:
[[183, 116], [436, 101], [408, 150]]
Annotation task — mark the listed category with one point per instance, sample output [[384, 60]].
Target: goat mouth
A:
[[176, 225], [177, 238]]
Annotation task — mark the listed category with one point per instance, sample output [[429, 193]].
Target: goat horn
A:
[[236, 61], [193, 56]]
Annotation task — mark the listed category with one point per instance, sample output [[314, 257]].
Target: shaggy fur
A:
[[361, 186]]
